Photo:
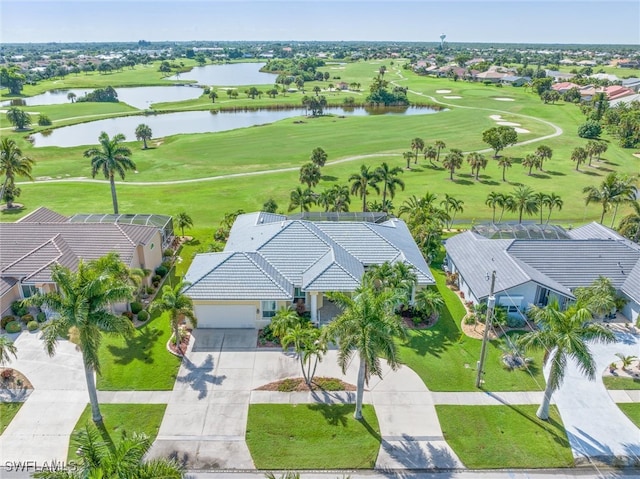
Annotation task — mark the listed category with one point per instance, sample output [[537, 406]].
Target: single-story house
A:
[[34, 243], [559, 76], [614, 92], [633, 83], [490, 76], [564, 86], [271, 261], [625, 99], [534, 263], [514, 80]]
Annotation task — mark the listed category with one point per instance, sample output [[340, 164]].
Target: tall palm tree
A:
[[579, 155], [451, 206], [508, 203], [360, 183], [99, 459], [111, 158], [368, 327], [302, 199], [310, 174], [341, 199], [613, 190], [541, 200], [179, 306], [602, 148], [627, 192], [505, 162], [543, 152], [318, 157], [389, 178], [452, 161], [494, 199], [440, 145], [83, 301], [325, 198], [563, 335], [524, 201], [430, 152], [417, 144], [592, 148], [183, 220], [12, 164], [629, 226], [476, 161], [7, 349], [553, 201], [529, 161]]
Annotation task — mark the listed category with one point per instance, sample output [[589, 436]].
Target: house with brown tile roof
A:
[[33, 244]]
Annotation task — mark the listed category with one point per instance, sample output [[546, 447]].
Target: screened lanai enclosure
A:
[[162, 222]]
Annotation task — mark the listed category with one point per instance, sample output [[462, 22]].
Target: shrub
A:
[[287, 385], [589, 129], [13, 327], [143, 315], [515, 322], [149, 289], [162, 270], [32, 325], [166, 264], [470, 319], [128, 314], [18, 309], [168, 252], [6, 320], [41, 317], [44, 120], [27, 318], [156, 278], [266, 335], [329, 384], [206, 90], [136, 307], [7, 374]]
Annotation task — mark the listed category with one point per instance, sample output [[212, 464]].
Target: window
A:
[[298, 294], [29, 290], [269, 309]]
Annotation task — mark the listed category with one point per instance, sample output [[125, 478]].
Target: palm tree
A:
[[477, 161], [530, 161], [626, 360], [143, 132], [325, 198], [12, 164], [592, 148], [71, 97], [627, 192], [602, 148], [613, 190], [310, 174], [451, 207], [183, 220], [429, 302], [360, 183], [367, 327], [213, 95], [505, 162], [579, 155], [301, 198], [524, 202], [629, 226], [440, 145], [178, 305], [417, 144], [18, 118], [541, 200], [389, 178], [340, 198], [7, 348], [100, 459], [553, 201], [111, 158], [408, 155], [494, 199], [285, 319], [83, 301], [318, 157], [563, 335], [430, 152], [508, 204], [543, 152], [452, 162]]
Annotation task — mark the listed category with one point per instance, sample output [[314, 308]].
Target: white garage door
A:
[[225, 316]]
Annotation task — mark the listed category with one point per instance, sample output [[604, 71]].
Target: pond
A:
[[141, 97], [192, 122], [231, 74]]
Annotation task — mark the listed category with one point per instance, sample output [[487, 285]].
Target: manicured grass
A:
[[446, 359], [614, 382], [632, 410], [505, 437], [312, 436], [139, 363], [120, 419], [8, 410]]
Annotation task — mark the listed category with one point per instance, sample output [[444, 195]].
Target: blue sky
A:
[[518, 21]]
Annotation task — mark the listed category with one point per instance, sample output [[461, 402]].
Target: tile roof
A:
[[631, 286], [43, 215]]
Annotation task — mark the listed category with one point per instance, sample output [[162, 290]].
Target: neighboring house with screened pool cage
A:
[[272, 260], [34, 243], [535, 263]]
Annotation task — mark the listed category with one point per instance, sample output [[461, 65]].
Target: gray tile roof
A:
[[594, 231], [335, 271], [43, 215], [631, 286]]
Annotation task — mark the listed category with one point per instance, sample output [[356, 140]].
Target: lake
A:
[[192, 122], [141, 97], [231, 74]]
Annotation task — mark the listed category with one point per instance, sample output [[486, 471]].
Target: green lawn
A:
[[446, 359], [119, 419], [614, 382], [505, 437], [632, 410], [312, 436], [140, 363], [8, 410]]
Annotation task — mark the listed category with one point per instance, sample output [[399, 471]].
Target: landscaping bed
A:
[[299, 385], [13, 379]]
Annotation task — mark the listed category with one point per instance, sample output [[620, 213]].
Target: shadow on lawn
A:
[[334, 414], [138, 347]]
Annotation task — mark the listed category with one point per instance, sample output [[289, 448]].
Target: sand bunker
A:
[[637, 155], [452, 97], [496, 117], [503, 99], [521, 130], [443, 91], [507, 123]]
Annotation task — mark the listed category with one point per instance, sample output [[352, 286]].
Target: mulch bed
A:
[[12, 382], [408, 322], [184, 344], [298, 385]]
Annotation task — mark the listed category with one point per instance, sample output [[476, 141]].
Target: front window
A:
[[29, 290], [299, 296], [269, 309]]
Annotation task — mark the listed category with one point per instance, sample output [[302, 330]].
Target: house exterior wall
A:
[[9, 297], [149, 256], [522, 296], [631, 310]]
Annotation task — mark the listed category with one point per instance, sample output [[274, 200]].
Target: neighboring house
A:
[[271, 261], [564, 86], [559, 76], [33, 244], [633, 83], [615, 92], [605, 76], [534, 263], [625, 99], [515, 80], [490, 76]]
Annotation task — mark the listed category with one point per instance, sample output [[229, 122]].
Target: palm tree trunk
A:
[[543, 410], [504, 170], [360, 390], [604, 210], [493, 218], [520, 217], [176, 334], [114, 198], [615, 213], [144, 140], [4, 187], [549, 217], [93, 394], [451, 174], [364, 201], [384, 193]]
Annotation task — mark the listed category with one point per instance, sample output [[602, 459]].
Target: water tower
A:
[[442, 37]]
